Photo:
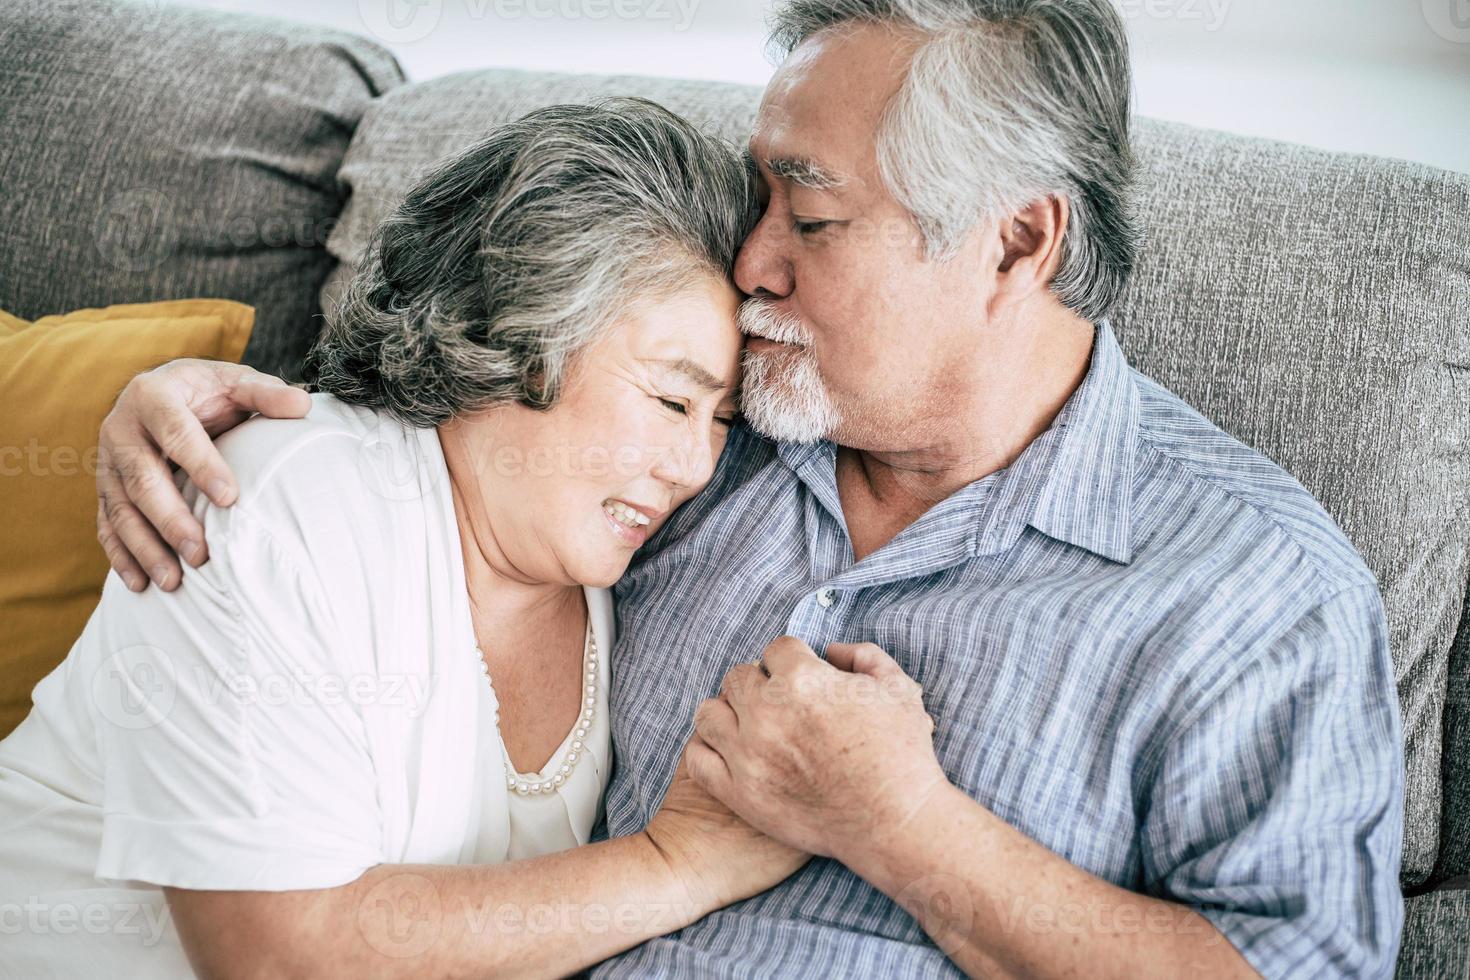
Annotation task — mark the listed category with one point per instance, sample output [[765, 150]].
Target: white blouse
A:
[[306, 705], [563, 817]]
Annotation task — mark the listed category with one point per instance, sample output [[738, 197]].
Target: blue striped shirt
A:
[[1144, 645]]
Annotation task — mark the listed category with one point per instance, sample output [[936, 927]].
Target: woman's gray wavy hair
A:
[[511, 257], [1006, 102]]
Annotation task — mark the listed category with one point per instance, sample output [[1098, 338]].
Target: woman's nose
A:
[[688, 463]]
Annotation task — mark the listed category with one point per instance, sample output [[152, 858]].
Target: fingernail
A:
[[160, 574], [217, 490], [191, 551], [134, 581]]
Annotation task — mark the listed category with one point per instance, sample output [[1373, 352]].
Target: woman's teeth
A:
[[624, 514]]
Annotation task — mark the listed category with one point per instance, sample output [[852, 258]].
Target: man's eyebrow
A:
[[805, 173], [694, 372]]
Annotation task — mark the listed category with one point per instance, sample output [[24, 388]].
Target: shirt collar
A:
[[1074, 482], [1087, 495]]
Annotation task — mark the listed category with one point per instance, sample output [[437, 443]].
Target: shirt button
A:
[[826, 597]]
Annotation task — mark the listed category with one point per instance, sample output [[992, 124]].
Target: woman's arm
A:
[[546, 916]]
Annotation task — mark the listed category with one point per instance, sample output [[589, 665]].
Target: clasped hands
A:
[[824, 756]]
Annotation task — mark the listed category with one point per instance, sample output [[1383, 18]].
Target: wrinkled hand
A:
[[826, 756], [172, 413], [718, 857]]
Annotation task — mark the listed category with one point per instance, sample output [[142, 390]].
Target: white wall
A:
[[1378, 76]]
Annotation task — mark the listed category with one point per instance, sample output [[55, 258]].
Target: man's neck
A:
[[885, 490]]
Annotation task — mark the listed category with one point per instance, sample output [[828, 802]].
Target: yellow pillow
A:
[[58, 378]]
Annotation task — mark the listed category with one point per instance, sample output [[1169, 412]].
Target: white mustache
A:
[[760, 318]]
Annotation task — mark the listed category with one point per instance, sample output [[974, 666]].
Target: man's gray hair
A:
[[511, 257], [1005, 102]]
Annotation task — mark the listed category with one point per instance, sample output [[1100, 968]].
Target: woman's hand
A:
[[173, 413], [719, 857]]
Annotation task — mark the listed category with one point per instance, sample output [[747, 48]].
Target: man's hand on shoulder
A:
[[172, 414]]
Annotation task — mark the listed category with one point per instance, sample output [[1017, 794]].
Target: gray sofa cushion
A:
[[1434, 944], [1313, 304], [1454, 832], [154, 152]]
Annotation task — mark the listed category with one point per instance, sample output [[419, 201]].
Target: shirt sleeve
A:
[[1277, 812], [232, 755]]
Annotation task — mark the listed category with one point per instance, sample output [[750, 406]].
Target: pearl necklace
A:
[[519, 784]]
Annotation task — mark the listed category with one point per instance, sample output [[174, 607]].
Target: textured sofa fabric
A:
[[1315, 305], [1436, 938], [152, 152], [1454, 849]]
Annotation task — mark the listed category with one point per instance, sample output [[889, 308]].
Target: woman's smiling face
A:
[[637, 431]]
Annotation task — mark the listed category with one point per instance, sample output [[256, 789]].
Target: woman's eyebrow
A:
[[693, 371]]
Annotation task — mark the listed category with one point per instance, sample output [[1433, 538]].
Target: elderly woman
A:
[[369, 736]]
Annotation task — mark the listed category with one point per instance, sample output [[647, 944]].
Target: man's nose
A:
[[763, 267]]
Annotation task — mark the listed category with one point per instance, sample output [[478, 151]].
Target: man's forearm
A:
[[543, 917], [1000, 904]]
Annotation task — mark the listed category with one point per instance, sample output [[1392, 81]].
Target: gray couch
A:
[[1316, 305]]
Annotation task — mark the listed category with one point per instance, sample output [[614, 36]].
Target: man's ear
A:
[[1031, 248]]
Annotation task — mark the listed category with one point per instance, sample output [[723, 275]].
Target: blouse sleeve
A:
[[233, 755]]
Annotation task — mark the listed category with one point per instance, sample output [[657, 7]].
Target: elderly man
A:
[[1058, 673]]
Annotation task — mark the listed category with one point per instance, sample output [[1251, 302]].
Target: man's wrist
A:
[[893, 857]]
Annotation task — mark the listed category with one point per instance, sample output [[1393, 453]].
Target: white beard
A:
[[782, 395]]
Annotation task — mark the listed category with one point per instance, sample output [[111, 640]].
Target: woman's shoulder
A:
[[344, 476], [339, 452], [334, 432]]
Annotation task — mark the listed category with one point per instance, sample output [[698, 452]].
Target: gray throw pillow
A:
[[155, 152]]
